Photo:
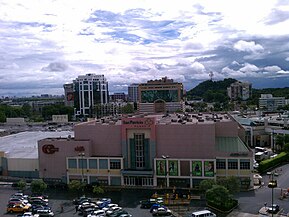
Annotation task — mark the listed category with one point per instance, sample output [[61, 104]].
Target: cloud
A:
[[272, 68], [248, 46], [277, 16], [55, 67]]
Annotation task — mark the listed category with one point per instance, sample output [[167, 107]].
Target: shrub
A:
[[273, 162]]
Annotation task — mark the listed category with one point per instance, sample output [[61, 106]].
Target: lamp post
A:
[[165, 157], [82, 154], [272, 184]]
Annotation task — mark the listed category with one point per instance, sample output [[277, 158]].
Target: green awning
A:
[[230, 144]]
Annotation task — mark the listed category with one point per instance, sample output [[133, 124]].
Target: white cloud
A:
[[248, 46], [139, 40]]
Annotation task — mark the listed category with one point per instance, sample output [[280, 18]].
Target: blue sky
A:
[[47, 43]]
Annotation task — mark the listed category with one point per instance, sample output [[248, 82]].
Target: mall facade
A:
[[172, 150]]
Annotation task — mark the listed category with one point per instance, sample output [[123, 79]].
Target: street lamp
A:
[[165, 157], [272, 184], [82, 154]]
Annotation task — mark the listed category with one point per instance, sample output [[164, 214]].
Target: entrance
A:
[[160, 106]]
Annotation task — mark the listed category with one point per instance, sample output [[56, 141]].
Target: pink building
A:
[[154, 150]]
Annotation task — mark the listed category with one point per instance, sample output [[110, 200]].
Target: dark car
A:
[[39, 202], [273, 209], [80, 200], [87, 211], [155, 206], [146, 204]]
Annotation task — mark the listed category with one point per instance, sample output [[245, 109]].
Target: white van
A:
[[259, 149], [203, 213]]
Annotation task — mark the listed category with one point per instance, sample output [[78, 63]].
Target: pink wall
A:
[[186, 141], [106, 139], [226, 129], [55, 164]]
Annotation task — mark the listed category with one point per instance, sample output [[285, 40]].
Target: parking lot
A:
[[58, 200]]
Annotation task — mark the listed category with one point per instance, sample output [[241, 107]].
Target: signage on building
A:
[[49, 149], [138, 122], [79, 148], [239, 154]]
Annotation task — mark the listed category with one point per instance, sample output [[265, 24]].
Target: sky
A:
[[47, 43]]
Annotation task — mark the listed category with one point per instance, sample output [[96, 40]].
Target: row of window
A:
[[233, 164], [92, 163]]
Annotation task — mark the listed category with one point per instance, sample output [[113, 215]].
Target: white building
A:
[[89, 90], [269, 103], [239, 90], [133, 93]]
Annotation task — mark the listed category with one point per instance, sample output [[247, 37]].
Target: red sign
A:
[[49, 149], [79, 148]]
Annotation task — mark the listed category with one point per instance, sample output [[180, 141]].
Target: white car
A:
[[113, 209], [161, 211], [97, 213], [109, 206]]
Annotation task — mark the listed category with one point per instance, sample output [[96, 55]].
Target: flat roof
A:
[[25, 144]]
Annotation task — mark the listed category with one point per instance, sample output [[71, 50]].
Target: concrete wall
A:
[[106, 139]]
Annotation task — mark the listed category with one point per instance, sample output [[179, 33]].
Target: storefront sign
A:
[[79, 148], [239, 154], [197, 168], [138, 123], [49, 149], [209, 168]]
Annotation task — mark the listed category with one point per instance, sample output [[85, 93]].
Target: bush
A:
[[273, 162]]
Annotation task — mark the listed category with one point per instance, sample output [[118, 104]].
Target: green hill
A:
[[211, 91]]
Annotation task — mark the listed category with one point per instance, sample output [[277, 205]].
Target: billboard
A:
[[197, 168], [161, 167], [151, 96], [173, 168], [209, 168]]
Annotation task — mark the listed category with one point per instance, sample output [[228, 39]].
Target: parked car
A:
[[26, 214], [80, 200], [97, 213], [273, 209], [161, 211], [17, 208], [44, 213], [109, 206], [17, 201], [146, 204], [113, 210], [155, 206], [87, 211]]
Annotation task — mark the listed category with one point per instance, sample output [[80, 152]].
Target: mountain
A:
[[211, 91]]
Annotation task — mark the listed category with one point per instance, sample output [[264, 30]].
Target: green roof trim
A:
[[230, 144]]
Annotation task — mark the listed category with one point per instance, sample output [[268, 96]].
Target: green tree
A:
[[206, 184], [232, 183], [21, 185], [286, 148], [38, 186], [76, 186], [26, 110], [98, 190], [2, 117], [127, 109], [218, 194], [279, 140]]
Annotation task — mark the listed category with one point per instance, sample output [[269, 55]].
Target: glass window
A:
[[72, 164], [115, 164], [92, 164], [232, 164], [221, 164], [103, 164], [244, 164], [139, 150], [82, 163]]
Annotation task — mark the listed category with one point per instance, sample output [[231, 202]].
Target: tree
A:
[[2, 116], [232, 183], [218, 194], [76, 186], [97, 190], [127, 109], [286, 148], [206, 184], [38, 186], [21, 184]]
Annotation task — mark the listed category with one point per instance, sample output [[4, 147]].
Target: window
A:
[[221, 164], [72, 164], [82, 163], [232, 164], [92, 164], [103, 164], [139, 150], [115, 164], [244, 164]]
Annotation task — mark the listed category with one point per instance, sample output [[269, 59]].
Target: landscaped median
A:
[[273, 162]]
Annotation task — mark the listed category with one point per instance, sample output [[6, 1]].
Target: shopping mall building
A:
[[149, 150]]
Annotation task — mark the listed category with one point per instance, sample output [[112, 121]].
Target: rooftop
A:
[[25, 144]]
